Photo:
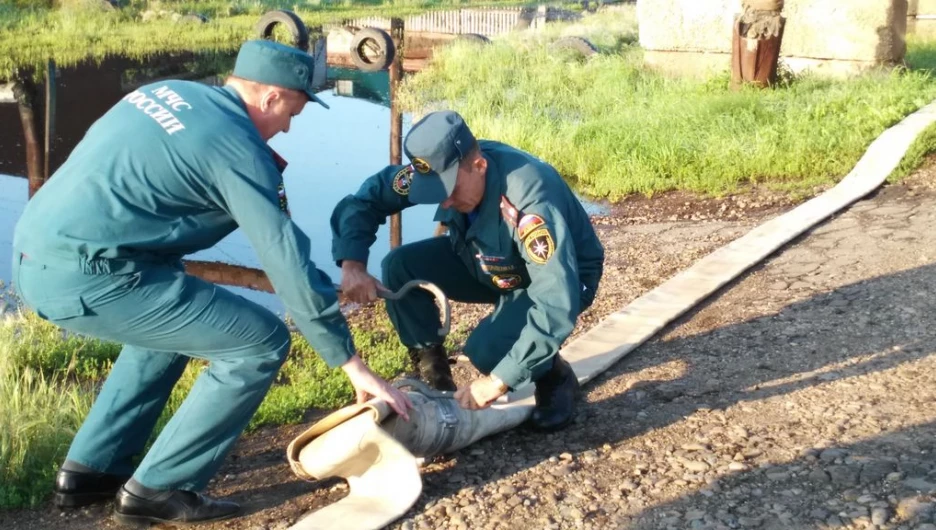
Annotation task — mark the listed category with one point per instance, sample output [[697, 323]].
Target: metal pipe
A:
[[434, 290]]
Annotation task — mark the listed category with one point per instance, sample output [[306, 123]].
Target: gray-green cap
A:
[[435, 145], [272, 63]]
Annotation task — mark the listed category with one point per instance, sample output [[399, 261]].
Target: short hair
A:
[[472, 153], [255, 87]]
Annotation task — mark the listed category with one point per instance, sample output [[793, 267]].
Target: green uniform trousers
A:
[[416, 316], [164, 317]]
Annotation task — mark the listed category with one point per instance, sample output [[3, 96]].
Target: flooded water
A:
[[330, 153]]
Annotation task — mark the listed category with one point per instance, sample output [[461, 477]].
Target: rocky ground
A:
[[797, 398]]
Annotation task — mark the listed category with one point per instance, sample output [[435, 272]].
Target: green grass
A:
[[40, 411], [48, 380], [614, 128], [31, 34]]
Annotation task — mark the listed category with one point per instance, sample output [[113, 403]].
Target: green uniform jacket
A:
[[172, 169], [531, 233]]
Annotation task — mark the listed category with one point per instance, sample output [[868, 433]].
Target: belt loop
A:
[[94, 266]]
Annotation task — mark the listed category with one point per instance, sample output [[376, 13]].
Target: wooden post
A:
[[25, 92], [396, 120], [227, 274]]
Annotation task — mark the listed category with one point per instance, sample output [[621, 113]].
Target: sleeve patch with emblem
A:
[[539, 245], [402, 181], [529, 223], [283, 202]]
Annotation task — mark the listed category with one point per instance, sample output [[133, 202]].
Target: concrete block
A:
[[921, 7], [6, 93], [922, 27], [703, 64], [688, 64], [686, 25], [858, 31]]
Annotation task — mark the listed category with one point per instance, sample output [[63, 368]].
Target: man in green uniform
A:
[[518, 239], [171, 169]]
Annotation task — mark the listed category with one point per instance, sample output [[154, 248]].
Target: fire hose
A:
[[376, 452]]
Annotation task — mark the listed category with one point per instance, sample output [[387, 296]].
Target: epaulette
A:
[[281, 162], [509, 211]]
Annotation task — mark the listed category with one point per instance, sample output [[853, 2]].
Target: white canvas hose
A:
[[358, 443], [763, 5]]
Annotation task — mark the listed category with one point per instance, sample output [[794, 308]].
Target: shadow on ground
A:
[[834, 337]]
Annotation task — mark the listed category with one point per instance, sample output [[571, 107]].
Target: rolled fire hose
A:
[[764, 5], [367, 445], [376, 451]]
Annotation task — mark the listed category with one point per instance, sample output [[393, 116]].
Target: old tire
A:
[[372, 50], [476, 38], [290, 21], [194, 18], [576, 44]]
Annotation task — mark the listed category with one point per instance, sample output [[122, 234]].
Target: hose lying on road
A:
[[374, 451]]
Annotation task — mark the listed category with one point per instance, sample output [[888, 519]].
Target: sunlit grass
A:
[[48, 380], [29, 36], [40, 411], [613, 127]]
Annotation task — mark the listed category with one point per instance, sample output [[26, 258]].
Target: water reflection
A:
[[12, 200], [330, 152]]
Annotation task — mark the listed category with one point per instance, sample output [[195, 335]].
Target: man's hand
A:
[[480, 393], [367, 385], [357, 284]]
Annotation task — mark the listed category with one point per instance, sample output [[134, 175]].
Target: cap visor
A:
[[427, 189], [316, 99], [433, 188]]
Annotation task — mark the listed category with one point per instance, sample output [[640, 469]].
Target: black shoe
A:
[[433, 366], [178, 507], [74, 489], [556, 392]]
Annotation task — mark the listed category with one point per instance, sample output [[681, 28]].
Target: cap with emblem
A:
[[435, 145], [272, 63]]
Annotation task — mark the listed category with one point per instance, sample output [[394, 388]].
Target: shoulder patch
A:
[[402, 181], [508, 211], [529, 223], [283, 202], [539, 245]]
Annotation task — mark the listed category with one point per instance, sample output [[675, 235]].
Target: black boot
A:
[[556, 392], [74, 489], [432, 363], [176, 506]]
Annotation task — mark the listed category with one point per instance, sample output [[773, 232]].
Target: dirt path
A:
[[799, 397]]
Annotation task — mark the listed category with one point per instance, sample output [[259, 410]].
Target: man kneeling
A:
[[518, 239]]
